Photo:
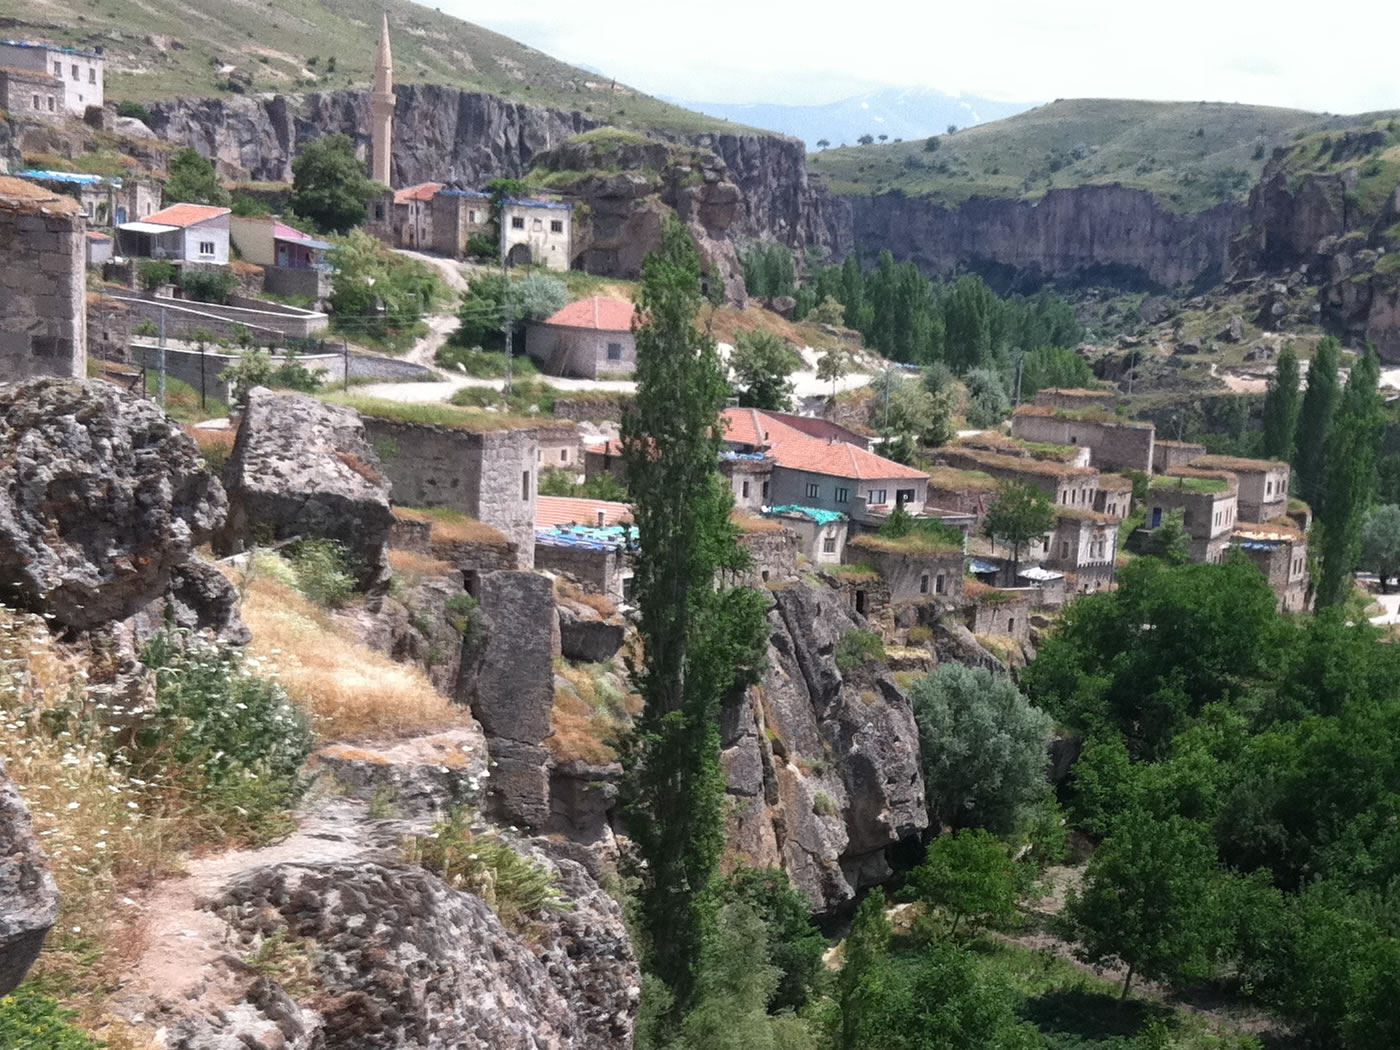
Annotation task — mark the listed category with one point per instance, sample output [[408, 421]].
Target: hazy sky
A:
[[1338, 56]]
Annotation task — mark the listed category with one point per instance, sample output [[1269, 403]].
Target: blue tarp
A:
[[815, 514], [76, 178]]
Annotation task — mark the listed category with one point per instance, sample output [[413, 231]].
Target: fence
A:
[[269, 322], [201, 370]]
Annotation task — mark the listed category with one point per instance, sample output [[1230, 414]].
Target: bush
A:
[[136, 111], [255, 368], [155, 273], [483, 364], [207, 286], [482, 247], [858, 648], [324, 571], [224, 736], [32, 1021]]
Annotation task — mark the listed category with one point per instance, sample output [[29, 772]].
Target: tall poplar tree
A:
[[1351, 477], [1315, 422], [1281, 402], [700, 639]]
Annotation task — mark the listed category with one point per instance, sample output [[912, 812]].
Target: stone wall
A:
[[912, 577], [1004, 612], [270, 319], [43, 300], [580, 352], [297, 281], [490, 476], [774, 556], [1114, 446], [202, 371], [109, 326], [1168, 455], [600, 571]]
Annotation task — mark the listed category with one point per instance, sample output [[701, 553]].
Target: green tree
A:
[[536, 296], [699, 639], [1350, 482], [829, 311], [832, 366], [970, 875], [193, 181], [329, 184], [864, 957], [1151, 901], [769, 269], [971, 315], [983, 746], [1170, 541], [1281, 403], [376, 292], [1380, 543], [907, 416], [987, 403], [762, 363], [795, 945], [1053, 366], [1315, 418], [1021, 513]]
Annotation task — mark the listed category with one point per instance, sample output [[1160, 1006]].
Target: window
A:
[[744, 490], [829, 543], [765, 492], [876, 497], [1269, 488], [940, 584], [517, 222], [923, 584], [471, 216], [1010, 625], [92, 76], [379, 212], [843, 495], [537, 225], [539, 456], [1064, 548], [814, 490], [36, 101], [563, 455], [206, 247], [903, 496], [525, 485], [556, 226], [50, 103], [614, 351], [58, 69]]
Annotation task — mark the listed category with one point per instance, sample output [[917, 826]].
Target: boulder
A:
[[589, 639], [102, 503], [302, 467], [28, 894]]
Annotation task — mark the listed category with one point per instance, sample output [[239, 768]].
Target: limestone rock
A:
[[302, 467], [28, 894], [103, 500]]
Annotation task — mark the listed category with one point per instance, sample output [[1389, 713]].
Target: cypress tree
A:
[[700, 640], [1351, 477], [1281, 403], [1315, 422]]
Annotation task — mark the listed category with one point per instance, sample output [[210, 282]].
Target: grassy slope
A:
[[274, 41], [1149, 145], [1378, 170]]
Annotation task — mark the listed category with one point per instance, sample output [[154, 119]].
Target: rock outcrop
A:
[[28, 894], [102, 505], [822, 766], [302, 467]]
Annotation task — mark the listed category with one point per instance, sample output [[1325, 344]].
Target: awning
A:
[[146, 227], [1040, 575], [306, 242], [978, 567]]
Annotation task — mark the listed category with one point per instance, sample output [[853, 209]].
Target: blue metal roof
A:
[[814, 514], [76, 178], [525, 203], [40, 45], [585, 537], [463, 193], [754, 457]]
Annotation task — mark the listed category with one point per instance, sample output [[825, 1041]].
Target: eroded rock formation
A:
[[28, 895]]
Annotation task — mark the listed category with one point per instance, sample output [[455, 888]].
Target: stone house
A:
[[826, 474], [294, 264], [1263, 484], [1114, 496], [772, 547], [749, 474], [99, 249], [1084, 546], [43, 295], [80, 73], [1118, 444], [915, 568], [487, 474], [404, 218], [536, 233], [1075, 398], [817, 427], [1282, 556], [821, 534], [187, 233], [962, 491], [31, 95], [588, 539], [589, 338], [1062, 483], [559, 449], [1049, 582], [1168, 455], [605, 458], [1209, 504], [106, 200], [1000, 611]]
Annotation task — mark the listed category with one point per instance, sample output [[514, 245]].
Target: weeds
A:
[[324, 571], [856, 649]]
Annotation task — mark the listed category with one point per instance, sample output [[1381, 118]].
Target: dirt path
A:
[[440, 325]]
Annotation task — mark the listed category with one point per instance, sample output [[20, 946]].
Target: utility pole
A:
[[1020, 360], [506, 317], [160, 389], [345, 352]]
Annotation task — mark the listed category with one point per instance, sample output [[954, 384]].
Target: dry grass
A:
[[747, 521], [599, 603], [727, 322], [414, 568], [350, 691], [591, 711], [452, 526], [360, 467]]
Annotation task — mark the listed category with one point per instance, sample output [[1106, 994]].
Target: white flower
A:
[[74, 805]]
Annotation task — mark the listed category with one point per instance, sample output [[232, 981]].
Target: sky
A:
[[1284, 53]]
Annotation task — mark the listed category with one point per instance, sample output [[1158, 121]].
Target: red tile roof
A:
[[600, 312], [424, 191], [185, 215], [798, 451], [565, 510]]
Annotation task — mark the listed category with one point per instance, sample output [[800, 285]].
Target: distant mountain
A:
[[900, 113]]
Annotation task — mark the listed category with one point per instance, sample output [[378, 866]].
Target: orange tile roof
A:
[[566, 510], [601, 312], [185, 215], [424, 191], [798, 451]]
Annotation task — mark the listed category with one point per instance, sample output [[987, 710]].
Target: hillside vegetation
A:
[[170, 48], [1192, 154]]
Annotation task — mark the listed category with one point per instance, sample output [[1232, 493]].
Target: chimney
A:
[[600, 519]]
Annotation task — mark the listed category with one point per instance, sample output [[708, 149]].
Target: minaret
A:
[[381, 108]]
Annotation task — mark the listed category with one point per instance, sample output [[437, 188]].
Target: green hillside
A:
[[1192, 154], [171, 48]]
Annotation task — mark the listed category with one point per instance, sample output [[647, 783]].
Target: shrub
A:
[[824, 805], [212, 286], [223, 736], [483, 364], [255, 368], [136, 111], [920, 635], [515, 886], [482, 247], [858, 648], [324, 571], [156, 272], [32, 1021], [465, 613]]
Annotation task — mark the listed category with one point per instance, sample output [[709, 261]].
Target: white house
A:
[[536, 232], [196, 233], [80, 71]]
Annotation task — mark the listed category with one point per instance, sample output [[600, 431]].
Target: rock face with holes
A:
[[28, 895], [102, 503], [302, 467], [822, 763]]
